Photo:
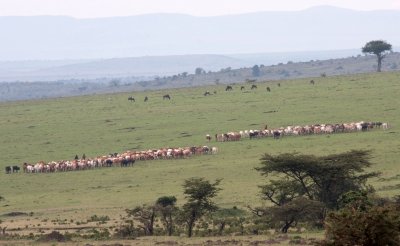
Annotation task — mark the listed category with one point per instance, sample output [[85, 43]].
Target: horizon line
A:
[[197, 16]]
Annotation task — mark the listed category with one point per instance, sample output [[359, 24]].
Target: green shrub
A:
[[374, 226]]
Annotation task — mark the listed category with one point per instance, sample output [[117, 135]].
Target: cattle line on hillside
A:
[[125, 159], [300, 130]]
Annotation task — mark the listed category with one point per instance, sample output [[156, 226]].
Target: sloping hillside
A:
[[289, 70], [58, 129]]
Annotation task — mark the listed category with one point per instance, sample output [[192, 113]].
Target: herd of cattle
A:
[[128, 158], [299, 130]]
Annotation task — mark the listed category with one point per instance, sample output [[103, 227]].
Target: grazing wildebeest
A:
[[312, 82], [253, 87], [166, 96], [242, 88], [228, 88], [8, 169], [279, 84], [131, 99], [76, 157], [207, 93], [215, 92], [15, 169], [268, 89], [146, 98]]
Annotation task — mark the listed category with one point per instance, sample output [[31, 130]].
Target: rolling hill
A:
[[10, 91], [318, 28]]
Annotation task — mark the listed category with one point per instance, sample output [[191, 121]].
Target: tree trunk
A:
[[169, 225], [286, 227], [151, 226], [380, 58], [192, 220], [221, 228], [190, 228]]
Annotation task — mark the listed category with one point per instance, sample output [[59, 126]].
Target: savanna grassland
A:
[[57, 129]]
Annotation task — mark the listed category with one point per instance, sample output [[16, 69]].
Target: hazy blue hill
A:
[[116, 67], [152, 65], [320, 28], [48, 48]]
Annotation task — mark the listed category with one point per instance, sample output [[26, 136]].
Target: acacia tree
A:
[[291, 206], [255, 71], [228, 217], [297, 210], [166, 207], [280, 192], [199, 70], [355, 200], [309, 184], [379, 48], [145, 215], [322, 179], [199, 193]]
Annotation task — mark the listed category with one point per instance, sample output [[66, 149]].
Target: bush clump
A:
[[54, 236]]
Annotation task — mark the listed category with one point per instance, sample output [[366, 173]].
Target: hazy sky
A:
[[103, 8]]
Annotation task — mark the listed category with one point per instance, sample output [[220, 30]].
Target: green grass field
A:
[[57, 129]]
